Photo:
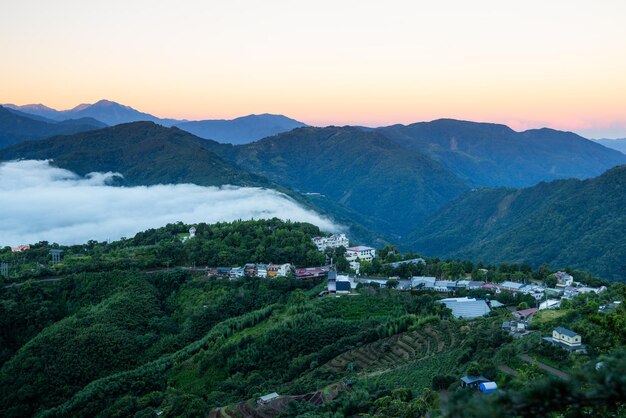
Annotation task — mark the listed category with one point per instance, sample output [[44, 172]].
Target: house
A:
[[355, 265], [473, 381], [272, 270], [284, 270], [423, 282], [236, 273], [334, 241], [512, 286], [550, 304], [473, 285], [468, 308], [261, 270], [361, 252], [223, 271], [525, 314], [20, 248], [332, 281], [493, 287], [445, 286], [515, 328], [567, 339], [462, 284], [563, 279], [411, 261], [312, 272], [192, 232], [488, 387], [267, 398], [609, 308], [250, 270]]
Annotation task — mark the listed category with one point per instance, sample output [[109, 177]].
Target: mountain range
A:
[[426, 186], [16, 127], [616, 144], [487, 154], [240, 130], [575, 223]]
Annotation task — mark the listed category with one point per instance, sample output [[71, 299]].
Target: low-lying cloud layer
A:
[[39, 202]]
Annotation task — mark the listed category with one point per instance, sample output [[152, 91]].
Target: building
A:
[[312, 272], [515, 328], [192, 232], [250, 270], [20, 248], [512, 286], [423, 282], [445, 286], [473, 381], [467, 308], [284, 270], [525, 314], [267, 398], [261, 270], [332, 281], [334, 241], [567, 339], [236, 273], [411, 261], [488, 387], [550, 304], [356, 266], [473, 285], [563, 279], [361, 252]]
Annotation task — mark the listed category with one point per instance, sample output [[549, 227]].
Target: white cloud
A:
[[40, 202]]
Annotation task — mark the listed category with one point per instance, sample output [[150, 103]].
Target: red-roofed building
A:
[[525, 313]]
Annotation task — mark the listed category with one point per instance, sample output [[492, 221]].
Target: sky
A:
[[527, 64], [46, 203]]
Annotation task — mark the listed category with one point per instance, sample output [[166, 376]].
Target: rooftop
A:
[[565, 331]]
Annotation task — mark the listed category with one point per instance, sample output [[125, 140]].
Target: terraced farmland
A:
[[396, 350]]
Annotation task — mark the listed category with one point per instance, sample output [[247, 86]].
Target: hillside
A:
[[143, 152], [112, 331], [616, 144], [241, 130], [365, 172], [16, 127], [564, 223], [486, 154]]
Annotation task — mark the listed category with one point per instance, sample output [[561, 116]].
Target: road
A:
[[555, 372]]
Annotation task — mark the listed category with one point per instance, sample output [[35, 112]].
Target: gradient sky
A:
[[526, 63]]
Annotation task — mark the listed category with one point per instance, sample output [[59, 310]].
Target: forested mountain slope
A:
[[579, 223]]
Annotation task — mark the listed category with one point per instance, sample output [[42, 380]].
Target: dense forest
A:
[[577, 223], [130, 328]]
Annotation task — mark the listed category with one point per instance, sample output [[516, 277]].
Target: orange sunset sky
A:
[[528, 64]]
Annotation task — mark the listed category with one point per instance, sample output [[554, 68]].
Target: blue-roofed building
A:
[[473, 381], [488, 387], [467, 308]]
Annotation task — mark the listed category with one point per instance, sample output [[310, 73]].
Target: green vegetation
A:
[[571, 223], [362, 171], [116, 333], [487, 154]]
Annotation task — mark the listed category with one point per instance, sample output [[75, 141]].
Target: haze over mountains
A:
[[616, 144], [16, 127], [240, 130]]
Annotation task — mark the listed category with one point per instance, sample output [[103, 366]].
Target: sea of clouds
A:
[[40, 202]]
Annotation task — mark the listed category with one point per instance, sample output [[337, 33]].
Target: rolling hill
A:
[[576, 223], [486, 154], [363, 171], [145, 153], [241, 130], [16, 127]]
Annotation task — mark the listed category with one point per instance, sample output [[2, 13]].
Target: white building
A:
[[361, 252], [284, 270], [261, 270], [563, 279], [192, 232], [334, 241]]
